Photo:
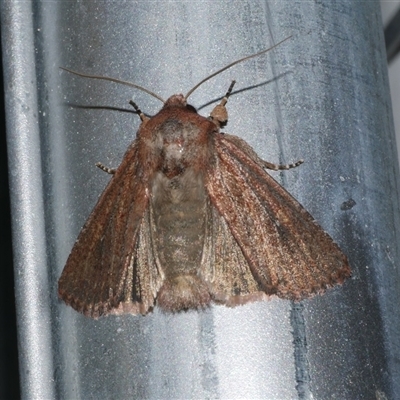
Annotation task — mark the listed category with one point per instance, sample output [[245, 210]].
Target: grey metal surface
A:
[[29, 238], [325, 99]]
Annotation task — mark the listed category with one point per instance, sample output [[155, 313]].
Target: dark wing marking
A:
[[112, 266], [287, 253]]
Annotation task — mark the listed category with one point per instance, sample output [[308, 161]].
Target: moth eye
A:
[[191, 108]]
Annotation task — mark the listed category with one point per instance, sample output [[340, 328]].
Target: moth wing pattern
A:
[[283, 251], [94, 281], [224, 266]]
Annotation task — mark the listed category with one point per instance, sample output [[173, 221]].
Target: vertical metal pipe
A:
[[322, 96], [27, 200]]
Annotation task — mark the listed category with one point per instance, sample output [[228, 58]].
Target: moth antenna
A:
[[228, 93], [138, 111], [219, 115], [232, 64], [276, 167], [107, 78]]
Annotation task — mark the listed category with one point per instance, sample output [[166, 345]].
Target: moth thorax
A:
[[178, 145]]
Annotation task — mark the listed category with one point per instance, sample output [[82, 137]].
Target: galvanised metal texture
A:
[[321, 96]]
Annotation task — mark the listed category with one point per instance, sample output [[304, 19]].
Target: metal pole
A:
[[323, 96], [27, 204]]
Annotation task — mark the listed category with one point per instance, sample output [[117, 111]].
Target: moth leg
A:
[[143, 117], [219, 115], [276, 167], [110, 171]]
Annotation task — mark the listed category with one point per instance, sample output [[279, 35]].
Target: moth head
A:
[[179, 101]]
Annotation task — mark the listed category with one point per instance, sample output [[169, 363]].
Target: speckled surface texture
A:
[[321, 96]]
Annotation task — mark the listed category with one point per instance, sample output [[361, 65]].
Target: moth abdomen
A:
[[179, 217], [183, 292]]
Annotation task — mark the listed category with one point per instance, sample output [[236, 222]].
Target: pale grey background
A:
[[325, 99]]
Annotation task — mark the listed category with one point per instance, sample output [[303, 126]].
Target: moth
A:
[[191, 217]]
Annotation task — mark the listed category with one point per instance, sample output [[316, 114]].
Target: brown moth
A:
[[191, 217]]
